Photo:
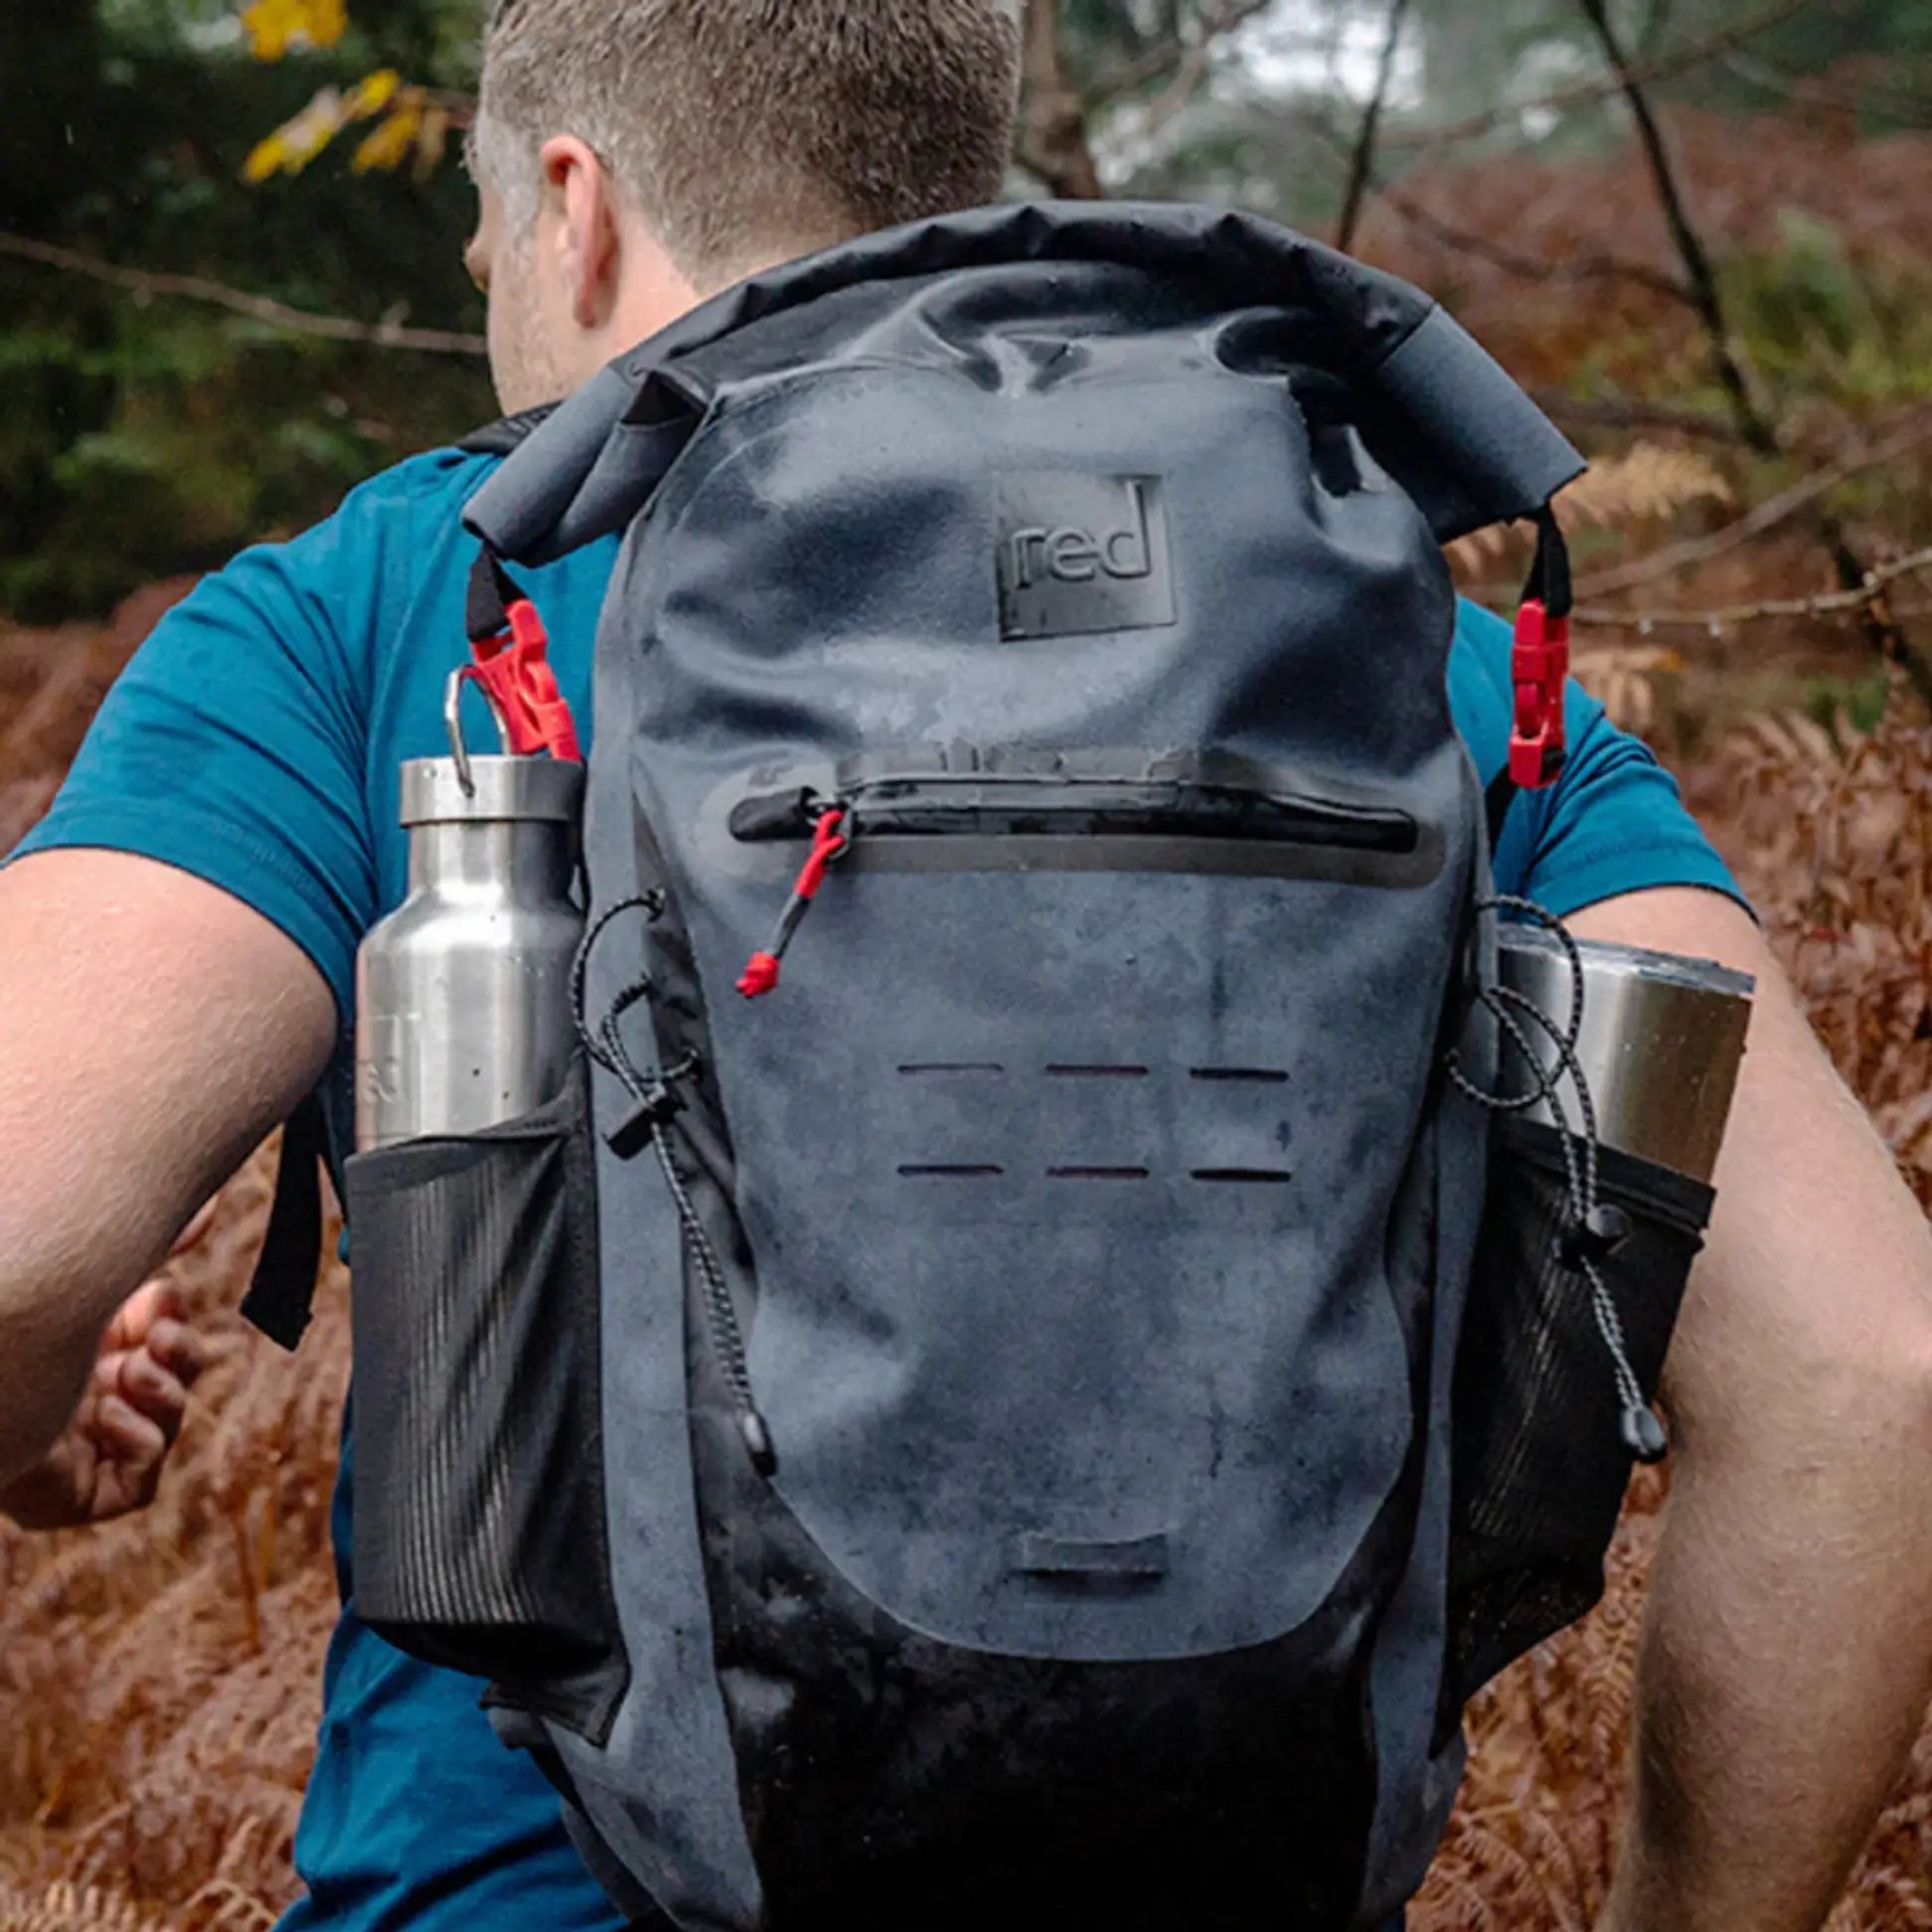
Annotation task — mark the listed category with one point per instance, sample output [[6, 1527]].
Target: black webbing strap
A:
[[491, 593], [282, 1293], [1550, 576], [1502, 794]]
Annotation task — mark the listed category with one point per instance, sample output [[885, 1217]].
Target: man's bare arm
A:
[[1787, 1655], [152, 1028]]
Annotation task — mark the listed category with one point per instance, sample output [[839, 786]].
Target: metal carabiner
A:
[[453, 721]]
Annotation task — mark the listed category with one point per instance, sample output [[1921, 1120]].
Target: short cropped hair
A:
[[749, 130]]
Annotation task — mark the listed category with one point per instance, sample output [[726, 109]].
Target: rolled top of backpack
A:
[[1437, 412]]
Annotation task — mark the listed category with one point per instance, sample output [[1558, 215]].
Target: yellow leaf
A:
[[269, 25], [294, 144], [369, 96], [390, 145], [268, 158], [274, 26]]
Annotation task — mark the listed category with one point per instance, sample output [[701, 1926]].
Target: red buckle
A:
[[1539, 670], [514, 668]]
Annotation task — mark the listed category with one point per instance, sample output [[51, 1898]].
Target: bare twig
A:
[[1054, 138], [148, 286], [1656, 22], [1362, 164], [1757, 431], [1173, 50], [1664, 67], [1181, 90], [1776, 510], [460, 108], [1866, 97], [1853, 602], [1585, 268], [1703, 281], [1621, 413]]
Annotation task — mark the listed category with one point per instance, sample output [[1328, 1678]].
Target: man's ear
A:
[[577, 189]]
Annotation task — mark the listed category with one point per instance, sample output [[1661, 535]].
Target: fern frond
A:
[[67, 1908], [1646, 484]]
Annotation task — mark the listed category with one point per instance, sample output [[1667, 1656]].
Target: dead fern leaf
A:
[[66, 1908], [1645, 485], [1629, 682]]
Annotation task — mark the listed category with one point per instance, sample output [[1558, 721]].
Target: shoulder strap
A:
[[506, 433], [282, 1293]]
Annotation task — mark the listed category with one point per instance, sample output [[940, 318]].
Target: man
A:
[[175, 972]]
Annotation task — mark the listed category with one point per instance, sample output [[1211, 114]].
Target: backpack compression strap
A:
[[281, 1295]]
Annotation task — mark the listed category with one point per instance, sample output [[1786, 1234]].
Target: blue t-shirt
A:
[[255, 741]]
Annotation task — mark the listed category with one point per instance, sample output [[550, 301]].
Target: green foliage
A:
[[1861, 702], [1816, 323], [141, 439]]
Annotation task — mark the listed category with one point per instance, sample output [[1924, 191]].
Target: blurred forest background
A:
[[1701, 230]]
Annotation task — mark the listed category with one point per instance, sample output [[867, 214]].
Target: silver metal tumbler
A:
[[1660, 1045], [463, 994]]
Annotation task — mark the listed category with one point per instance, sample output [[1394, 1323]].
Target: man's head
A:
[[634, 156]]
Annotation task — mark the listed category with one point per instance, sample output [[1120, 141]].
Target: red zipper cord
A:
[[829, 842]]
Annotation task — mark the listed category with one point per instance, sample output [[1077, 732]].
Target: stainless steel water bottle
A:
[[1659, 1047], [464, 1013]]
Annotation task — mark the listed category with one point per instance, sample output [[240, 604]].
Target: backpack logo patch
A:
[[1081, 554]]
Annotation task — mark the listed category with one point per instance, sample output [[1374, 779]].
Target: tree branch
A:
[[1174, 97], [1664, 67], [1362, 166], [1774, 511], [1867, 596], [1053, 136], [1866, 97], [1166, 52], [1619, 412], [1589, 268], [1699, 274], [1758, 433], [147, 285]]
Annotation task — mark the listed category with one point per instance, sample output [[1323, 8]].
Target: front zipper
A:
[[982, 805], [996, 805]]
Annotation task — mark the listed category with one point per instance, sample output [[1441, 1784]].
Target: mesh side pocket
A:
[[479, 1509], [1540, 1464]]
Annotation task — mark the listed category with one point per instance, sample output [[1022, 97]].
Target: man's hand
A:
[[110, 1459]]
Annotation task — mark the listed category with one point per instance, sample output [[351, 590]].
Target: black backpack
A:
[[958, 1433]]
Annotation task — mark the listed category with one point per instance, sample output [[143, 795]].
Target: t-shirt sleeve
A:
[[235, 744], [1615, 822]]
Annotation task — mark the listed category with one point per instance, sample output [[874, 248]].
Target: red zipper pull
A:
[[829, 842]]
